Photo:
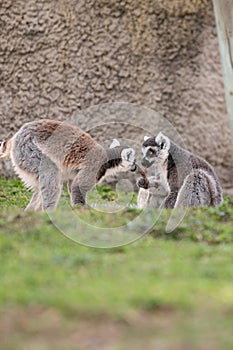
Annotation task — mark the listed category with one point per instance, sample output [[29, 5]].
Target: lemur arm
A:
[[143, 182]]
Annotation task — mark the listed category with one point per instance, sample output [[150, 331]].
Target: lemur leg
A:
[[35, 202], [31, 181], [195, 191], [83, 182], [50, 184], [143, 193], [69, 183], [143, 198]]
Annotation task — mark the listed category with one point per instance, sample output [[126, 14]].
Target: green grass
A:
[[169, 291]]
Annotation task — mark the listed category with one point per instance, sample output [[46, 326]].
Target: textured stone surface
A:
[[59, 56]]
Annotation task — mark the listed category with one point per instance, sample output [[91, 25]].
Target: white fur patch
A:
[[115, 143], [161, 138], [144, 150], [128, 154], [2, 155], [128, 158]]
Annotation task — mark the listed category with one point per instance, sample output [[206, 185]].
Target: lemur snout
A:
[[146, 163], [133, 167]]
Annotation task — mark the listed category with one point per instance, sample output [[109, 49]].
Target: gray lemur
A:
[[153, 189], [46, 153], [192, 180]]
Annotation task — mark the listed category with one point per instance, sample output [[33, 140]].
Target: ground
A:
[[164, 291]]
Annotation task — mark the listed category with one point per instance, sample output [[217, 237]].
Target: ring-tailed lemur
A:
[[153, 189], [192, 180], [46, 153]]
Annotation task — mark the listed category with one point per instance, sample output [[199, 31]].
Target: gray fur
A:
[[118, 159], [46, 153], [191, 179], [154, 191], [114, 143], [154, 195], [35, 202]]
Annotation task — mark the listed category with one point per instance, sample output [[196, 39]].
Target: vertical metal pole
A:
[[224, 20]]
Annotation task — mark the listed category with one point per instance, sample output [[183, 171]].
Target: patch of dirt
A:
[[39, 328]]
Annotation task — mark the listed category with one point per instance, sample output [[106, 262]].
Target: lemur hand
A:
[[143, 183]]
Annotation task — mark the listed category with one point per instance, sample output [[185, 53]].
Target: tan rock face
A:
[[59, 56]]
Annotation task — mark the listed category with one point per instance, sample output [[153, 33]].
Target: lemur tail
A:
[[5, 148], [215, 191]]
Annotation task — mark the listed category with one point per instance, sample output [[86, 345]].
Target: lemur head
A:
[[155, 148], [122, 157]]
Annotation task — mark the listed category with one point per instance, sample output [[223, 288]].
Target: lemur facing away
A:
[[46, 153], [192, 180]]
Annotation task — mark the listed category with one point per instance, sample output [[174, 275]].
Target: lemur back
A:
[[45, 153], [191, 179]]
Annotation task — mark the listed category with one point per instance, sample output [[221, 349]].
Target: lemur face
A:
[[155, 149], [128, 160]]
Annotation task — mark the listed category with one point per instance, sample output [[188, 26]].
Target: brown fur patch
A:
[[79, 150], [45, 128]]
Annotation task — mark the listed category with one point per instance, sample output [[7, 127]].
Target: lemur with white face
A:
[[192, 180], [46, 153], [153, 190]]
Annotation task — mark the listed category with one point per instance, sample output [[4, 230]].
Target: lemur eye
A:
[[151, 151]]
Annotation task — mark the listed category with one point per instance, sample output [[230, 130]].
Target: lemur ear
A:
[[2, 148], [2, 143], [163, 141], [128, 154], [146, 138], [115, 143]]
